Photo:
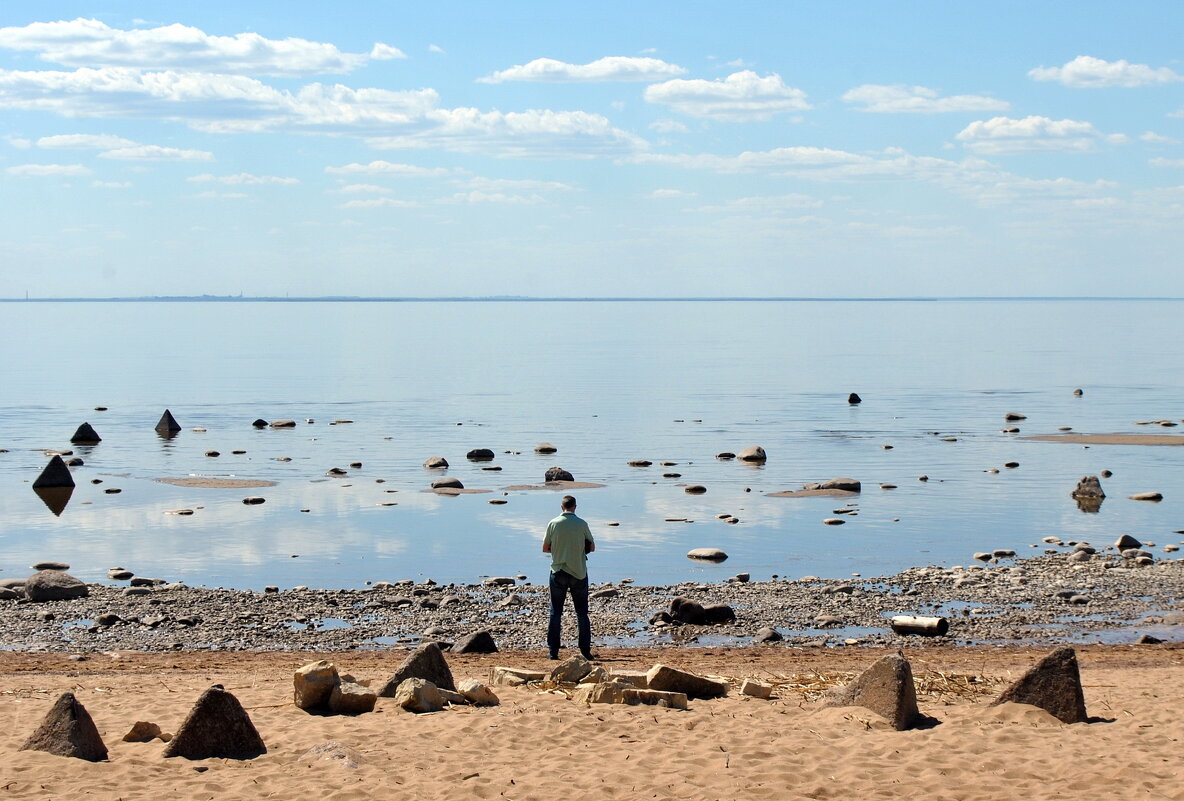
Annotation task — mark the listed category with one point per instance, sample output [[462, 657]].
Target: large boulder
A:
[[707, 554], [477, 693], [754, 454], [435, 463], [480, 455], [571, 670], [85, 435], [447, 482], [479, 642], [1054, 685], [557, 474], [418, 695], [68, 730], [217, 726], [684, 610], [1088, 487], [668, 679], [842, 484], [54, 585], [55, 475], [351, 698], [168, 424], [313, 684], [425, 662], [885, 688]]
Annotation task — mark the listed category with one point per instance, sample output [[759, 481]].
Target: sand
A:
[[541, 745], [211, 482], [1109, 439]]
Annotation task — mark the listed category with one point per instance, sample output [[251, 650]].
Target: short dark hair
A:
[[568, 502]]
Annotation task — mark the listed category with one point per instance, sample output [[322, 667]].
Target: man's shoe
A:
[[553, 656], [591, 657]]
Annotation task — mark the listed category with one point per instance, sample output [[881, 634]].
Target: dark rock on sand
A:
[[1054, 685], [55, 475], [479, 642], [68, 730], [557, 474], [85, 435], [54, 585], [425, 662], [684, 610], [217, 726], [885, 688]]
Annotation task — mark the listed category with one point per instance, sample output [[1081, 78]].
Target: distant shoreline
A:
[[525, 299]]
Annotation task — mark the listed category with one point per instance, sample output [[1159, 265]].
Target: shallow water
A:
[[604, 382]]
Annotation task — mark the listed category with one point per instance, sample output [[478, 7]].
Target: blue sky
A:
[[657, 149]]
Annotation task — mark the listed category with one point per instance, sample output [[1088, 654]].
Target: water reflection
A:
[[55, 498], [1089, 505]]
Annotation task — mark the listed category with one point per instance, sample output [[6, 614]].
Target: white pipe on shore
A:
[[924, 626]]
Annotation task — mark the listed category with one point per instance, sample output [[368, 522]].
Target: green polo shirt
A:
[[566, 535]]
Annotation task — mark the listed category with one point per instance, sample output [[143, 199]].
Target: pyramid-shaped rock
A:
[[425, 662], [885, 688], [68, 731], [55, 474], [168, 424], [217, 726], [1054, 685], [85, 435], [479, 642]]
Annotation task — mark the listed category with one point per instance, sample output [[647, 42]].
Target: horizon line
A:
[[564, 299]]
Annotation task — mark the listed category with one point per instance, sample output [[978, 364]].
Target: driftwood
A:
[[924, 626]]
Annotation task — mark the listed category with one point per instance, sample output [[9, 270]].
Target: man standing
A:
[[569, 542]]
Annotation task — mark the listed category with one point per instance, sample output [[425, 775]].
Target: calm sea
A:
[[605, 382]]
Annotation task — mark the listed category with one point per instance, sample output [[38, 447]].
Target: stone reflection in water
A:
[[1089, 505], [55, 498]]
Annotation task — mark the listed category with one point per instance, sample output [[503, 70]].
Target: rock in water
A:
[[480, 455], [885, 688], [168, 424], [545, 447], [1054, 685], [479, 642], [68, 730], [854, 398], [313, 684], [435, 463], [54, 585], [85, 435], [707, 554], [1126, 542], [557, 474], [448, 482], [425, 662], [754, 454], [217, 726], [1088, 487], [55, 474]]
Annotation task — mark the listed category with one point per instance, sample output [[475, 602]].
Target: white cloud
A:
[[669, 126], [610, 68], [741, 97], [155, 153], [1166, 162], [1158, 139], [48, 169], [242, 179], [776, 161], [84, 142], [91, 43], [495, 197], [516, 185], [210, 194], [671, 194], [111, 184], [1006, 135], [378, 202], [381, 167], [358, 189], [767, 204], [1087, 72], [384, 52], [435, 49], [917, 100], [535, 133], [19, 142]]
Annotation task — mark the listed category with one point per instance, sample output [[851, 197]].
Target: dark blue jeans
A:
[[563, 583]]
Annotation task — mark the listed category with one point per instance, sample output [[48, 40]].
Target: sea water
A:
[[605, 383]]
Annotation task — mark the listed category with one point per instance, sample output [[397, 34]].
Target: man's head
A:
[[568, 503]]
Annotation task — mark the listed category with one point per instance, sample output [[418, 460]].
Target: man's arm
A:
[[547, 541]]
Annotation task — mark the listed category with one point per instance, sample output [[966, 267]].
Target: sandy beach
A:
[[538, 744]]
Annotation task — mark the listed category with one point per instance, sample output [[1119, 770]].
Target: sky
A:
[[615, 149]]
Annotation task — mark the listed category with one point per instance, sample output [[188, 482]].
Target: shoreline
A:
[[1067, 596]]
